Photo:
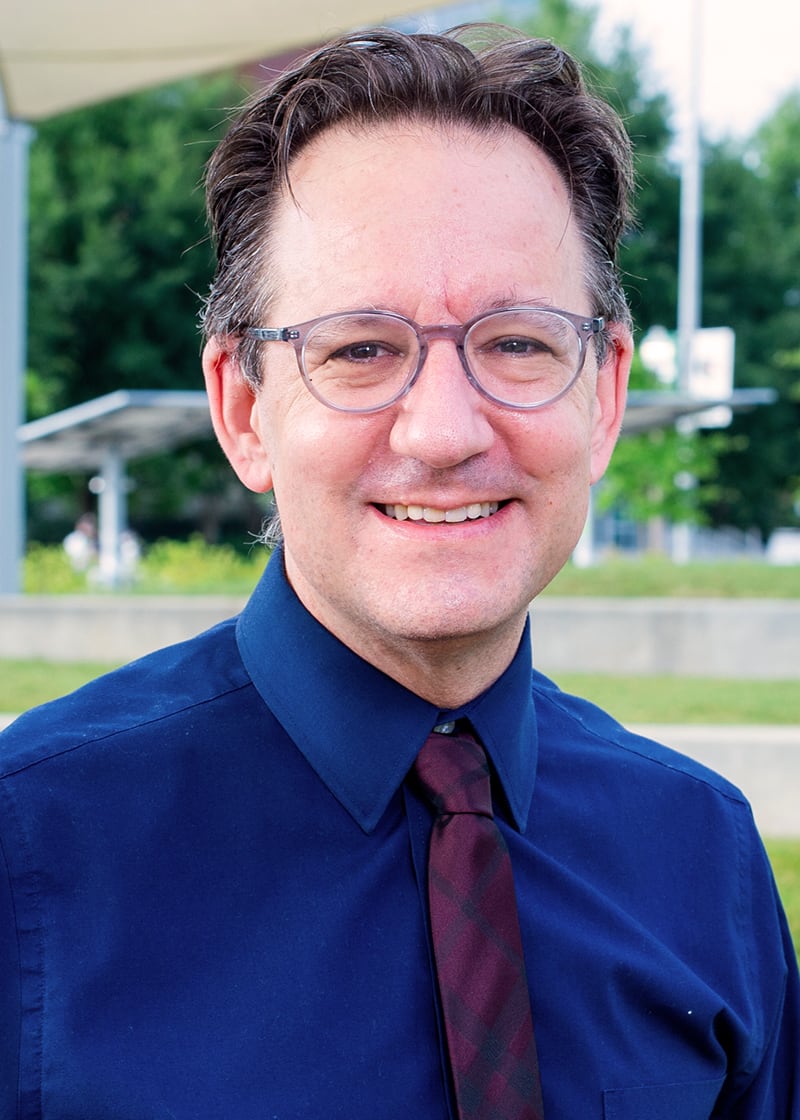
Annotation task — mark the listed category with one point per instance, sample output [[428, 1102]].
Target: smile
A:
[[432, 515]]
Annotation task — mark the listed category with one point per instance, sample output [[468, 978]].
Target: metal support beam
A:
[[14, 141], [112, 511], [690, 247], [691, 214]]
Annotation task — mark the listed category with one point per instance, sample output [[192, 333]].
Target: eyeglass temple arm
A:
[[272, 334]]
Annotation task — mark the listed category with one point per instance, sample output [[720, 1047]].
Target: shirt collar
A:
[[359, 729]]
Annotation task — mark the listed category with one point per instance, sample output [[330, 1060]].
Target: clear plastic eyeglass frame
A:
[[585, 327]]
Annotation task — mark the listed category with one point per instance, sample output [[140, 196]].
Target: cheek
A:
[[555, 447], [319, 455], [287, 427]]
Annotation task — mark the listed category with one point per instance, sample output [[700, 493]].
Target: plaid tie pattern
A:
[[476, 938]]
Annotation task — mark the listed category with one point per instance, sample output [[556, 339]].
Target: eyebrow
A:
[[500, 302]]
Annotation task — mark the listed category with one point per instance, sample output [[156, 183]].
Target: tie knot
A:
[[454, 774]]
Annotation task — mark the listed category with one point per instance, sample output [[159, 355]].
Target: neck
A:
[[451, 684], [446, 671]]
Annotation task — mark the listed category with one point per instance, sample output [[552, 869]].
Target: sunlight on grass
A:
[[646, 576], [672, 699], [24, 684]]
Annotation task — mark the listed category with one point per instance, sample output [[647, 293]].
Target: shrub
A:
[[195, 567], [167, 567]]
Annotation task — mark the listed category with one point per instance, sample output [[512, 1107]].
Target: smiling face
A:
[[431, 525]]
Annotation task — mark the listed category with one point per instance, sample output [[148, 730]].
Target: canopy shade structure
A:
[[132, 423], [102, 435], [661, 409], [56, 56]]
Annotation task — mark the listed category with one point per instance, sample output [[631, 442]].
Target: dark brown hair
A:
[[370, 78]]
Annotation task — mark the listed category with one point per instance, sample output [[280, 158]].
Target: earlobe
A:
[[233, 405], [610, 397]]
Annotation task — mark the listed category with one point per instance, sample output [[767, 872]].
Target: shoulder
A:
[[675, 838], [582, 733], [164, 686]]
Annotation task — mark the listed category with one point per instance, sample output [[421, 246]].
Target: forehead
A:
[[379, 214]]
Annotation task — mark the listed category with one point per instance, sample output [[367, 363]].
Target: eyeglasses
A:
[[364, 361]]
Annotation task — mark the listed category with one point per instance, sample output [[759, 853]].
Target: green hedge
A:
[[167, 567]]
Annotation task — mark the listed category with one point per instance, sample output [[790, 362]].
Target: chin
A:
[[455, 616]]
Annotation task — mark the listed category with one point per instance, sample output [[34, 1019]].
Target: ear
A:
[[233, 404], [610, 396]]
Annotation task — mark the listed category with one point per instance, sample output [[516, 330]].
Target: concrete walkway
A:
[[764, 761]]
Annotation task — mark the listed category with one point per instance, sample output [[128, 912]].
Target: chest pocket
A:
[[693, 1100]]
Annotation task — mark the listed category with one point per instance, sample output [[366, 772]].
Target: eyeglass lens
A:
[[364, 361]]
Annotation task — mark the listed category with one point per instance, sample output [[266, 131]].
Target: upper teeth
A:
[[430, 513]]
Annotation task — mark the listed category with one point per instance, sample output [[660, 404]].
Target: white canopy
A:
[[59, 54]]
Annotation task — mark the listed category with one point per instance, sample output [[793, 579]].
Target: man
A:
[[216, 898]]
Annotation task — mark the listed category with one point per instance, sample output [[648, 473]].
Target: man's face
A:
[[439, 226]]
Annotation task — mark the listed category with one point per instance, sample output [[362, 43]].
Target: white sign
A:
[[711, 373], [710, 369]]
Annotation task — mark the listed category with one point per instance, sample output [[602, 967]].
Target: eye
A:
[[362, 352], [519, 345], [527, 347]]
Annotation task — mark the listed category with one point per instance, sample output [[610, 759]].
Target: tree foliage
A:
[[119, 259], [752, 282], [118, 249]]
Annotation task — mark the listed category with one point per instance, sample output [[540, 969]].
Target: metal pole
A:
[[112, 516], [583, 555], [690, 247], [14, 141]]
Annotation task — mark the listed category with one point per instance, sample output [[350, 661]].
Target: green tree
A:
[[118, 249], [752, 265], [119, 258]]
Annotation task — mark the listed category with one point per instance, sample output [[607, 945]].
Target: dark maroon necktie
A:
[[476, 939]]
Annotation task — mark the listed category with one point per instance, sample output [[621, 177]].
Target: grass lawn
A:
[[657, 576], [671, 699], [24, 684]]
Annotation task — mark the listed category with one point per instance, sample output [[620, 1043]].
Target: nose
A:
[[442, 420]]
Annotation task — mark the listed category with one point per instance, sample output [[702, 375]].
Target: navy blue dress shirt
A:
[[212, 901]]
